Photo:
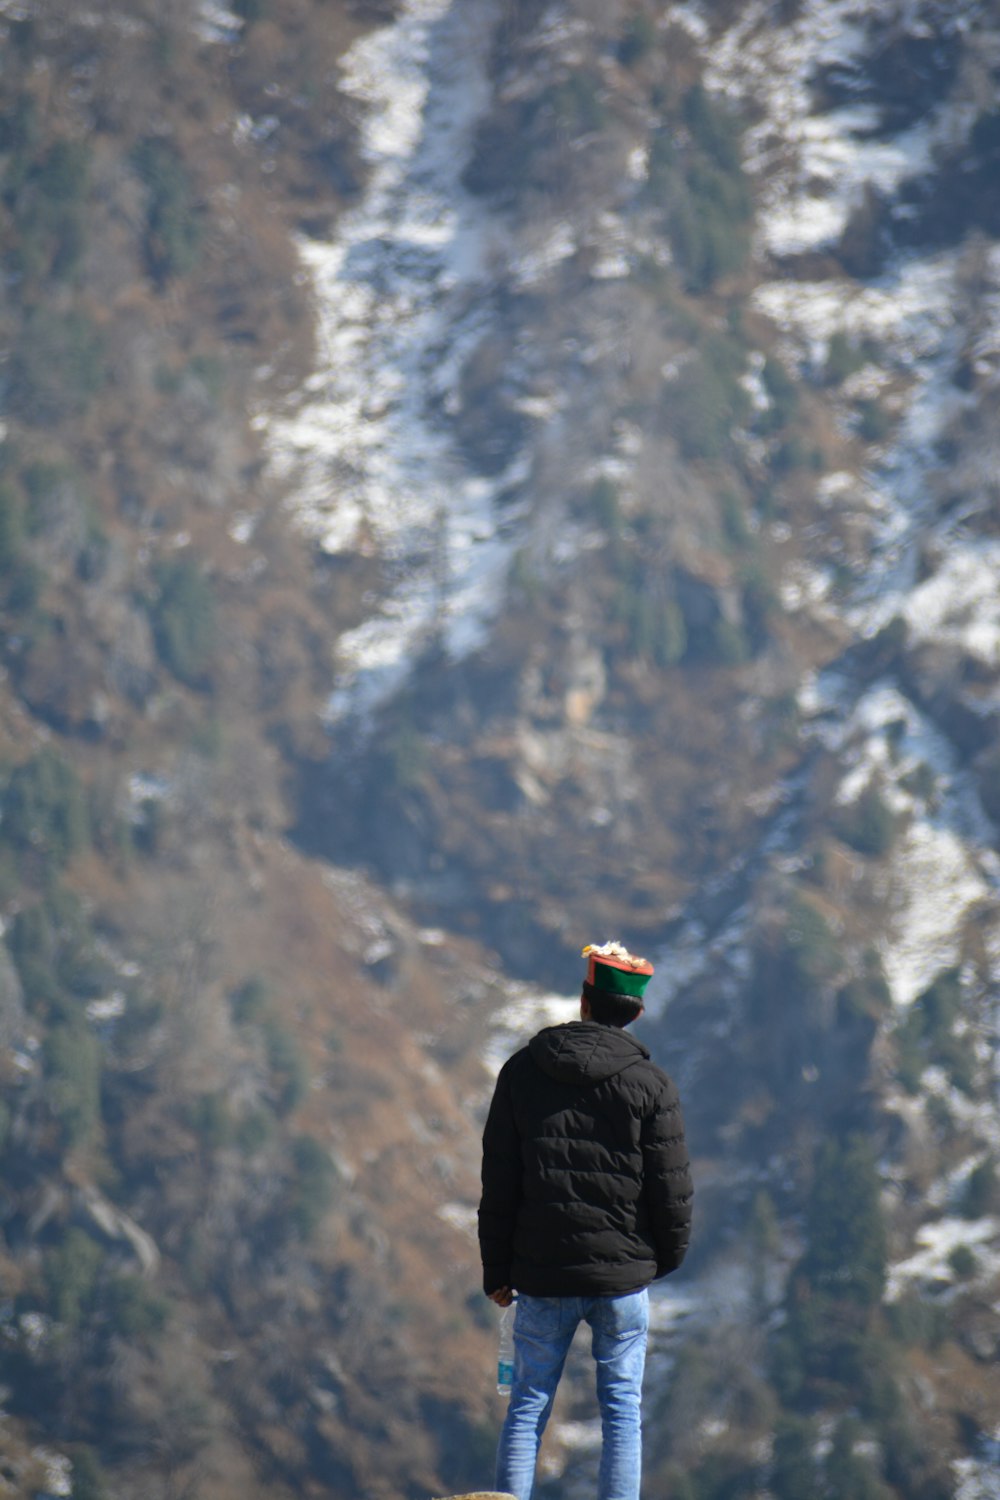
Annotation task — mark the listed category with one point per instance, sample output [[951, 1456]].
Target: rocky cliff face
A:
[[479, 478]]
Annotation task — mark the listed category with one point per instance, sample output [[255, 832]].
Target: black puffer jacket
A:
[[586, 1182]]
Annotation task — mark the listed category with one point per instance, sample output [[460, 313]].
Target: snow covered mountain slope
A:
[[788, 460], [403, 295], [626, 565]]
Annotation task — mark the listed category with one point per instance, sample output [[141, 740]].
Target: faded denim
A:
[[543, 1331]]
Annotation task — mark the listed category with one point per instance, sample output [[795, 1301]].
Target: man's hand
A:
[[503, 1296]]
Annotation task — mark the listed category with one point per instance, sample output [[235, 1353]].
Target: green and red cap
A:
[[612, 968]]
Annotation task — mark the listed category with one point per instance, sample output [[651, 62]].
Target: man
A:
[[586, 1200]]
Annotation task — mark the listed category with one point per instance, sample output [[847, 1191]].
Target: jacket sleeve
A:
[[501, 1187], [667, 1182]]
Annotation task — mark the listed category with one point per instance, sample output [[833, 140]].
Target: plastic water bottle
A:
[[505, 1352]]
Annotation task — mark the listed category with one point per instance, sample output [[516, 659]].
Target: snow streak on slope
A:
[[813, 167], [944, 862], [910, 314], [400, 304], [924, 566]]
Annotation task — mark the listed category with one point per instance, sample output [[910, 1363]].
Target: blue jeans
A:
[[543, 1331]]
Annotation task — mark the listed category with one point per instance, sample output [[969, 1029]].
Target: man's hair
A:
[[611, 1008]]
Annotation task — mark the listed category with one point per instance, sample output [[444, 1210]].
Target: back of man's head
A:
[[610, 1008], [615, 983]]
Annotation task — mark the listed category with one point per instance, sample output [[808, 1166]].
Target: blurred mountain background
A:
[[479, 477]]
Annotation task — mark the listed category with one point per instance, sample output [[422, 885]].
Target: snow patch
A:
[[401, 301], [938, 1241], [936, 885], [542, 253], [814, 167], [461, 1216], [527, 1012], [57, 1472], [217, 24], [960, 603], [979, 1477]]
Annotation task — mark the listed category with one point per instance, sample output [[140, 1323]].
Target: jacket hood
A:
[[585, 1051]]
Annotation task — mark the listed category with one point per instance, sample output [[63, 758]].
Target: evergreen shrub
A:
[[783, 393], [254, 1131], [914, 1462], [80, 966], [251, 1001], [703, 406], [136, 1311], [657, 632], [20, 136], [88, 1479], [921, 782], [874, 422], [714, 128], [794, 1470], [45, 809], [313, 1185], [830, 1347], [44, 479], [523, 580], [22, 594], [55, 950], [963, 1262], [981, 1195], [868, 824], [843, 358], [735, 525], [811, 950], [288, 1065], [729, 643], [32, 948], [71, 1272], [184, 623], [706, 199], [407, 756], [603, 502], [150, 825], [57, 366], [51, 212], [173, 225], [92, 559], [73, 1072], [211, 1121], [638, 40], [11, 528], [926, 1035], [577, 104], [764, 1243], [915, 1321], [877, 1382], [849, 1473], [845, 1258], [761, 603]]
